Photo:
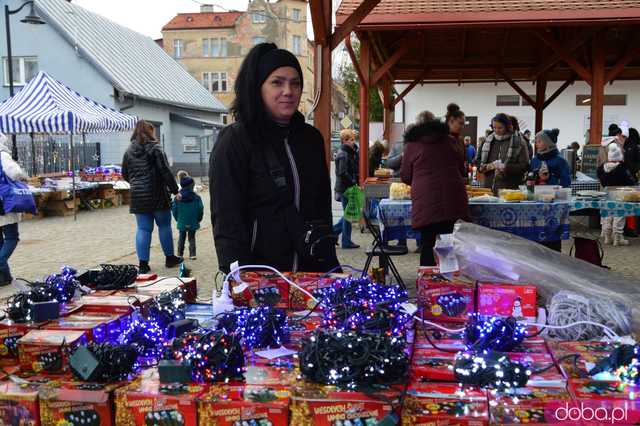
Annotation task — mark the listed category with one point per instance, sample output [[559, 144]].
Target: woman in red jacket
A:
[[431, 165]]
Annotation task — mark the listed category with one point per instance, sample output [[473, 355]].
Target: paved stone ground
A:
[[107, 236]]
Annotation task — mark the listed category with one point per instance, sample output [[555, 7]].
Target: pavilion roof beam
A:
[[386, 66], [515, 87], [566, 56], [557, 93], [632, 52], [410, 87], [379, 55], [503, 48], [351, 22], [578, 41], [354, 60]]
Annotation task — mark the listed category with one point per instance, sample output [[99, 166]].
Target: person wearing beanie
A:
[[614, 172], [269, 181], [188, 211], [547, 155], [9, 235], [503, 158]]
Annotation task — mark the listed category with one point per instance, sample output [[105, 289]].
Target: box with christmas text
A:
[[77, 403], [443, 404], [311, 282], [443, 298], [261, 288], [10, 332], [320, 405], [19, 404], [114, 324], [146, 401], [588, 354], [507, 300], [167, 284], [525, 405], [123, 304], [430, 364], [47, 351], [231, 405], [544, 370]]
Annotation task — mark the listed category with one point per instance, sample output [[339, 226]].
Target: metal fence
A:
[[206, 144], [45, 153]]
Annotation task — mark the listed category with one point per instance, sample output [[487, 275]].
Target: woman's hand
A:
[[178, 196]]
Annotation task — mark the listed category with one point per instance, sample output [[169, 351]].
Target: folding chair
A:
[[382, 252]]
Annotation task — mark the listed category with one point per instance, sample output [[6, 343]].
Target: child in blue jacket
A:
[[551, 167], [187, 211]]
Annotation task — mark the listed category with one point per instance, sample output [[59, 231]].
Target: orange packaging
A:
[[47, 351]]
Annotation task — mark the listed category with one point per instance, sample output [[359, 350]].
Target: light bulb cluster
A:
[[363, 305], [146, 334], [261, 327], [489, 369], [167, 307], [353, 359], [452, 304], [493, 333], [214, 356]]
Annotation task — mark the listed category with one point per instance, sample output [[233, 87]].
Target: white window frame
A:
[[296, 15], [190, 147], [296, 48], [20, 79], [206, 47], [178, 47], [209, 44], [258, 17], [217, 78]]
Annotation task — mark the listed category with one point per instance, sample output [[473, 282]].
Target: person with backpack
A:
[[188, 212], [614, 172]]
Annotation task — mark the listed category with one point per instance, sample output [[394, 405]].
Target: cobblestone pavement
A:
[[107, 236]]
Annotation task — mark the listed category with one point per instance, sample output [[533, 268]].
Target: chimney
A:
[[205, 8]]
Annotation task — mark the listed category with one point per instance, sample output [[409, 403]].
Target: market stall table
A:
[[535, 221], [607, 208]]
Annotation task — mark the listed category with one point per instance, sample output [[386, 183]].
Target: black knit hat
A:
[[186, 181], [274, 59]]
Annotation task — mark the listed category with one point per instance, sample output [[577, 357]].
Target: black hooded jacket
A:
[[247, 214], [146, 169]]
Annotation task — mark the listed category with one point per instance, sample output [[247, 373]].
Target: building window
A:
[[526, 103], [24, 69], [297, 45], [215, 81], [190, 144], [609, 100], [507, 100], [296, 15], [178, 48], [258, 40], [225, 118], [259, 17], [214, 47]]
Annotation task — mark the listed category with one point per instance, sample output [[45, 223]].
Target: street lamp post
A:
[[31, 18]]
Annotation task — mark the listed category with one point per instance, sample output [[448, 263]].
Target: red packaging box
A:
[[443, 404], [448, 344], [319, 405], [437, 334], [273, 375], [146, 402], [166, 284], [443, 299], [228, 405], [244, 293], [585, 389], [114, 304], [94, 330], [590, 354], [508, 300], [115, 323], [19, 404], [77, 403], [48, 350], [430, 364], [310, 281], [529, 396], [552, 377], [10, 332]]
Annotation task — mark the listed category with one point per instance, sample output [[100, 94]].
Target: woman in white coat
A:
[[9, 236]]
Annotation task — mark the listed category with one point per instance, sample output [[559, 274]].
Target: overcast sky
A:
[[149, 16]]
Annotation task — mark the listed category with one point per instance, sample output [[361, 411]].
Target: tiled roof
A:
[[203, 20], [452, 6], [133, 63]]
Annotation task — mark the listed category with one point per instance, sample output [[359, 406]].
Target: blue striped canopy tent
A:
[[45, 105]]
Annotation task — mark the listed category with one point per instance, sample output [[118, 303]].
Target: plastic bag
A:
[[355, 203]]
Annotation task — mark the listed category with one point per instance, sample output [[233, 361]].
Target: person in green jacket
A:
[[188, 211]]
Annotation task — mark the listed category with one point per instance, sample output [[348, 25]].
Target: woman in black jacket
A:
[[268, 172], [145, 167]]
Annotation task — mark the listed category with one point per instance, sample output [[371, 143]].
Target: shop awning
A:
[[190, 120]]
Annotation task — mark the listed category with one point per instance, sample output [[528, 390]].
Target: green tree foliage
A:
[[352, 87]]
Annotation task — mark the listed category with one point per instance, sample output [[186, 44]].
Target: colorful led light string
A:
[[261, 327], [361, 304], [493, 333], [489, 369]]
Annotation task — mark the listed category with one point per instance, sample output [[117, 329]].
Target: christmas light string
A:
[[115, 362], [115, 277], [261, 327], [493, 333]]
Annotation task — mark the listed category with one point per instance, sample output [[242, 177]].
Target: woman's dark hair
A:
[[515, 125], [614, 130], [634, 136], [248, 106], [453, 111], [502, 118], [143, 132]]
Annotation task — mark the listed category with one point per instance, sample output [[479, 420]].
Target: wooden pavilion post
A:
[[597, 91], [388, 109], [541, 91], [365, 67], [322, 66]]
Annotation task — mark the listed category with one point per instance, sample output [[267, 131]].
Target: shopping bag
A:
[[355, 203], [15, 196]]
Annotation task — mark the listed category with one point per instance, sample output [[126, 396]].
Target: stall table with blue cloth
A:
[[535, 221]]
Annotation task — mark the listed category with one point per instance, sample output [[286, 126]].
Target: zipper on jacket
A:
[[254, 234], [296, 191]]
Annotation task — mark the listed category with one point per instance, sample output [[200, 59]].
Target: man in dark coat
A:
[[346, 177]]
